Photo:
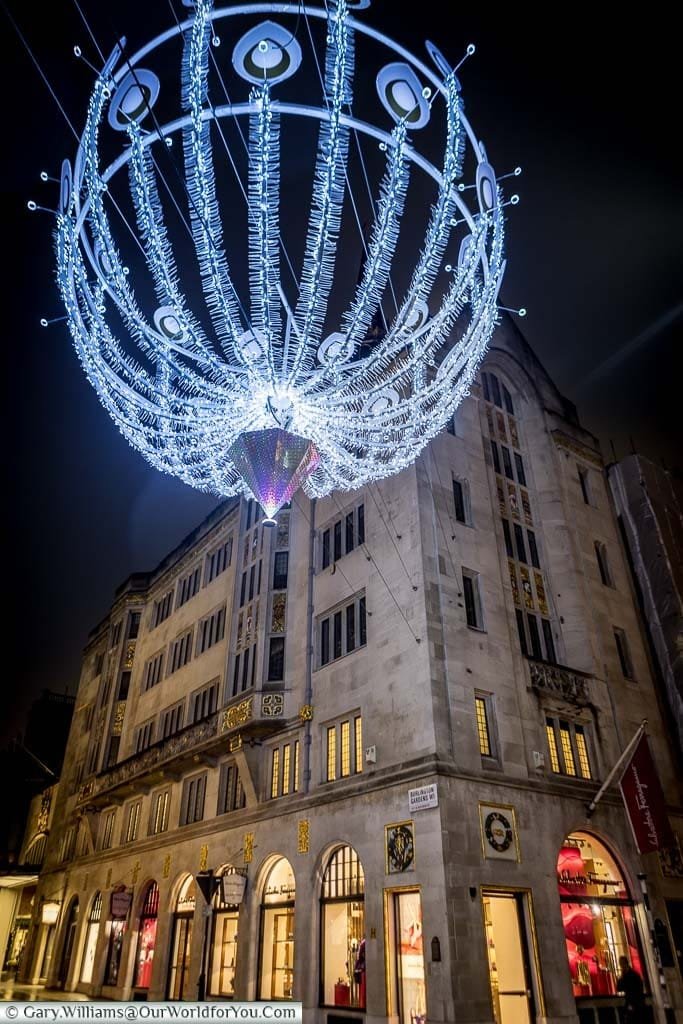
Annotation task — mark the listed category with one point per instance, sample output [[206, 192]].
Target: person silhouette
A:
[[631, 984]]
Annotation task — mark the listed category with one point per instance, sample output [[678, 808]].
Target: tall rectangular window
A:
[[361, 524], [324, 641], [568, 748], [286, 768], [358, 741], [337, 634], [217, 561], [108, 830], [483, 728], [231, 795], [536, 650], [624, 653], [276, 659], [548, 640], [533, 549], [459, 501], [507, 464], [519, 466], [507, 534], [349, 532], [172, 720], [160, 807], [192, 806], [331, 753], [584, 483], [326, 549], [519, 543], [342, 631], [181, 651], [343, 755], [337, 537], [343, 536], [496, 456], [471, 593], [153, 671], [275, 773], [132, 822], [603, 564], [203, 702], [188, 586], [162, 609], [280, 570], [210, 630], [144, 736]]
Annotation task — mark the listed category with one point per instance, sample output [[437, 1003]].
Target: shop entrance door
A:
[[508, 955], [179, 971]]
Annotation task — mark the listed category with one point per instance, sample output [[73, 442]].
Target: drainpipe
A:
[[308, 698]]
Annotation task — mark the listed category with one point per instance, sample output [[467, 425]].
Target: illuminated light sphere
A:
[[229, 352]]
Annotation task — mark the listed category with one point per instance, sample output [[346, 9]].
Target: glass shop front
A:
[[598, 917]]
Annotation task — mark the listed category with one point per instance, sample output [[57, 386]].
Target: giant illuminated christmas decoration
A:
[[216, 358]]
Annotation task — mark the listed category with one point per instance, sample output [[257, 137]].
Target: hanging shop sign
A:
[[121, 899], [50, 912], [422, 798], [232, 889]]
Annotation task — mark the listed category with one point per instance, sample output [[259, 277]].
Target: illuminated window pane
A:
[[552, 747], [483, 727], [582, 751], [275, 774], [295, 780], [345, 749], [358, 730], [285, 768], [331, 753], [567, 752]]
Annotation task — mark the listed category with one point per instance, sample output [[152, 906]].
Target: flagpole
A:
[[630, 747]]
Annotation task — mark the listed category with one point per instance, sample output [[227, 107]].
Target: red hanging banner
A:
[[644, 799]]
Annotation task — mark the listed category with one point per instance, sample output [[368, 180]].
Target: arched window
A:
[[224, 942], [342, 909], [147, 935], [597, 914], [35, 855], [91, 934], [181, 941], [276, 962], [69, 938]]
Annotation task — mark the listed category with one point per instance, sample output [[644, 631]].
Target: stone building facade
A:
[[381, 722]]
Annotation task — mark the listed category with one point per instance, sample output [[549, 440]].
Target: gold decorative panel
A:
[[130, 654], [166, 870], [526, 505], [513, 582], [540, 592], [526, 586], [248, 847], [512, 498], [306, 712], [303, 836], [235, 743], [501, 497], [203, 857], [119, 714], [513, 431], [136, 871], [238, 714], [277, 621]]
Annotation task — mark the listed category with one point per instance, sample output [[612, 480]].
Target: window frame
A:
[[623, 653], [333, 536], [471, 584], [333, 745], [330, 639], [193, 802], [487, 702], [564, 731]]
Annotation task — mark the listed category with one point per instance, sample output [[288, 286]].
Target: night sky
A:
[[586, 107]]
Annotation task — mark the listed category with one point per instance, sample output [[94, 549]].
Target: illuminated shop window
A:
[[509, 960], [91, 935], [598, 917], [179, 979], [342, 900], [147, 933], [276, 960], [224, 942], [405, 956]]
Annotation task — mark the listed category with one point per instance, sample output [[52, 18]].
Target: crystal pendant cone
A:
[[273, 464]]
